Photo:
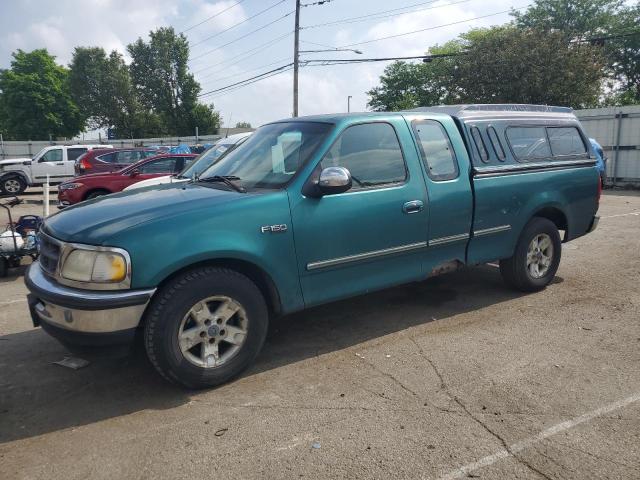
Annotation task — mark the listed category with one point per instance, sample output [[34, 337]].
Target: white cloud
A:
[[64, 24]]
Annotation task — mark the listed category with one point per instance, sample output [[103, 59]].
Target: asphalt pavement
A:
[[454, 377]]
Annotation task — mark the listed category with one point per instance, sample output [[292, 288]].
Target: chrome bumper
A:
[[83, 311]]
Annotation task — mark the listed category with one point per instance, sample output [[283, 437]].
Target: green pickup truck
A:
[[308, 211]]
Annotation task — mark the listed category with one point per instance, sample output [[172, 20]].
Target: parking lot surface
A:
[[454, 377]]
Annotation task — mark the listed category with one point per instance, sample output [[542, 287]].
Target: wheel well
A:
[[19, 175], [556, 216], [257, 275]]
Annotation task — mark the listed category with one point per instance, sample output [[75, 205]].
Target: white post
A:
[[46, 197]]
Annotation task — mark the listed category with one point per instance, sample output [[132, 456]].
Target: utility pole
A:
[[296, 57]]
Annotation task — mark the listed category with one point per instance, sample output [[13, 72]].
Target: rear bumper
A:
[[84, 317]]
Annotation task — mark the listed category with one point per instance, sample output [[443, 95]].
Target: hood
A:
[[13, 161], [95, 221]]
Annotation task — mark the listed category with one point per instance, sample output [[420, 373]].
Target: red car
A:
[[94, 185], [111, 159]]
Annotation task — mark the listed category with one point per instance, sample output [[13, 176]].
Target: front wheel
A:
[[12, 185], [205, 327], [536, 258]]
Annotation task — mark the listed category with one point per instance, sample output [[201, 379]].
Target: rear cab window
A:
[[566, 141], [372, 154], [528, 143], [552, 143], [435, 149]]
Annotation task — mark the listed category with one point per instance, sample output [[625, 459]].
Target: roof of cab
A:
[[460, 111], [501, 109]]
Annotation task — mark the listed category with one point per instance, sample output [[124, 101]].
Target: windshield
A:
[[272, 155], [206, 159]]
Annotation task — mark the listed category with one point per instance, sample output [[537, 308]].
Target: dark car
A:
[[111, 160], [98, 184]]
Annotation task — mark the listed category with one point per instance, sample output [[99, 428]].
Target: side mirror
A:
[[134, 173], [334, 180]]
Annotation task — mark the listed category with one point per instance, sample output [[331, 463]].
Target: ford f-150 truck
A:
[[308, 211]]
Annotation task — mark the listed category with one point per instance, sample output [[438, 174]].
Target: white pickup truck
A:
[[57, 161]]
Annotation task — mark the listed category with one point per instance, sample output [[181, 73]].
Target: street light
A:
[[349, 103], [332, 50]]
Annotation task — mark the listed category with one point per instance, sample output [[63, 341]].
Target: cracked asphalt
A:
[[454, 377]]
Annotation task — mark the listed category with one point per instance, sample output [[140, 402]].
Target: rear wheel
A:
[[205, 327], [4, 267], [536, 258], [13, 185]]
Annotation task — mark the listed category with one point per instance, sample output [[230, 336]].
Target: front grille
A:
[[49, 253]]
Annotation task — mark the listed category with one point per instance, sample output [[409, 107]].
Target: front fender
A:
[[231, 231]]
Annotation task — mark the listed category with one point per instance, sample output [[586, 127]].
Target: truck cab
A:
[[55, 161], [308, 211]]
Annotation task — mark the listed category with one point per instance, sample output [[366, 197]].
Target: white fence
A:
[[19, 149]]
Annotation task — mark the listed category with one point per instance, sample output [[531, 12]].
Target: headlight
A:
[[70, 186], [104, 267]]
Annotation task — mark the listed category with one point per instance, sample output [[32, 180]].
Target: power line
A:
[[245, 71], [380, 15], [330, 62], [245, 80], [432, 28], [235, 25], [212, 16], [225, 92], [241, 37], [246, 54]]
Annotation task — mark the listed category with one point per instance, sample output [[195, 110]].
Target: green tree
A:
[[513, 65], [243, 125], [102, 85], [497, 65], [573, 18], [406, 85], [161, 78], [610, 24], [35, 99]]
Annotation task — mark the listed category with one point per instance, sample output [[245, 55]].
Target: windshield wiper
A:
[[227, 180]]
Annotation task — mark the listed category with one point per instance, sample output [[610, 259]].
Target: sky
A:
[[225, 51]]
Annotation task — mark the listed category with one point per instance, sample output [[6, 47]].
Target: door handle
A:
[[60, 163], [414, 206]]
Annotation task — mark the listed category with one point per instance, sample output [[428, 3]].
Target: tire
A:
[[96, 194], [13, 185], [177, 311], [520, 271], [4, 267]]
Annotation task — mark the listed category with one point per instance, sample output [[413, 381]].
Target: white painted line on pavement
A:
[[637, 214], [526, 443]]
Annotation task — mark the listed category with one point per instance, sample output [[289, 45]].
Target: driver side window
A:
[[54, 155], [372, 154]]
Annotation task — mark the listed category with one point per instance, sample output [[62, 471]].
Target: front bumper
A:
[[84, 317], [594, 224]]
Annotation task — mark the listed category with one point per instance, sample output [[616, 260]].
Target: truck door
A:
[[373, 235], [51, 162], [446, 164]]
